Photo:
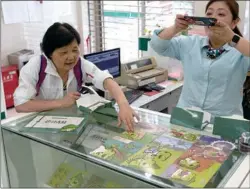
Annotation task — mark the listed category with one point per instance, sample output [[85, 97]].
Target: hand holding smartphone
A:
[[201, 21]]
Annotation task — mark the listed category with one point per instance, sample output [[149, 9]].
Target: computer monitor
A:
[[107, 60]]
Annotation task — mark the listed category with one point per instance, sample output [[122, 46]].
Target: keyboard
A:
[[133, 94]]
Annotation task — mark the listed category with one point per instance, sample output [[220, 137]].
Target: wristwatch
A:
[[159, 31], [246, 138], [234, 41], [244, 144]]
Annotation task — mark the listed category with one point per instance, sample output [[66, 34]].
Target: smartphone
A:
[[202, 21]]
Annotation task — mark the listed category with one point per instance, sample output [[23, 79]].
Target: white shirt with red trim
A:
[[52, 86]]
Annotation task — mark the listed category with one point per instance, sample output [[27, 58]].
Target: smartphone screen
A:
[[201, 21]]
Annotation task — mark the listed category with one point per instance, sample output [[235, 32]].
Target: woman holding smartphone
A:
[[215, 66]]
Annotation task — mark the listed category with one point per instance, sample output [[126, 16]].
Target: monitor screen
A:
[[107, 60]]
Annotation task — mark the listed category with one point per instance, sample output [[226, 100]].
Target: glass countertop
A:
[[158, 152]]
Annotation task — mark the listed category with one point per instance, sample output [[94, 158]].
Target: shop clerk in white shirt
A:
[[60, 47]]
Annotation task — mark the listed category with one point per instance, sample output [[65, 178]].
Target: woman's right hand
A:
[[69, 99], [180, 23]]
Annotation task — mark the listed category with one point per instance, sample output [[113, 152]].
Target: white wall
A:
[[246, 24], [53, 11], [12, 39], [15, 37]]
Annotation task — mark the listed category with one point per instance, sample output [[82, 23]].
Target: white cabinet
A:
[[165, 103]]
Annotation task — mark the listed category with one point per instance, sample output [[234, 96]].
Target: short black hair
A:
[[58, 35]]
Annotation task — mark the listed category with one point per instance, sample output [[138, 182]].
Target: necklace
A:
[[64, 80], [214, 53], [65, 86]]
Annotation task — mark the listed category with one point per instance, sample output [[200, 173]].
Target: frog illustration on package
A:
[[67, 176], [139, 136], [77, 180], [182, 134], [117, 151], [103, 153], [154, 158]]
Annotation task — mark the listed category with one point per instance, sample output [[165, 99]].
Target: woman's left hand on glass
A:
[[126, 115]]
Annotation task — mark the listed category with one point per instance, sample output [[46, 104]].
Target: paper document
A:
[[35, 11], [22, 11], [15, 12], [54, 122], [166, 83], [91, 100], [176, 75]]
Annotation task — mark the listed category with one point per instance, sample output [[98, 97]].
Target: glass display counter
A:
[[100, 154]]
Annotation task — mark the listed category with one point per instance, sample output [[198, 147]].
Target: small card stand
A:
[[229, 128], [187, 118]]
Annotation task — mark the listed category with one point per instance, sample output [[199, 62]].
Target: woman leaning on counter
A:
[[215, 66], [51, 80]]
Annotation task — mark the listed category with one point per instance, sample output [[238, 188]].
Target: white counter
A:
[[164, 101]]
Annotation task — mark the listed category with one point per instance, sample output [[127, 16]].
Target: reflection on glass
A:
[[157, 152]]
